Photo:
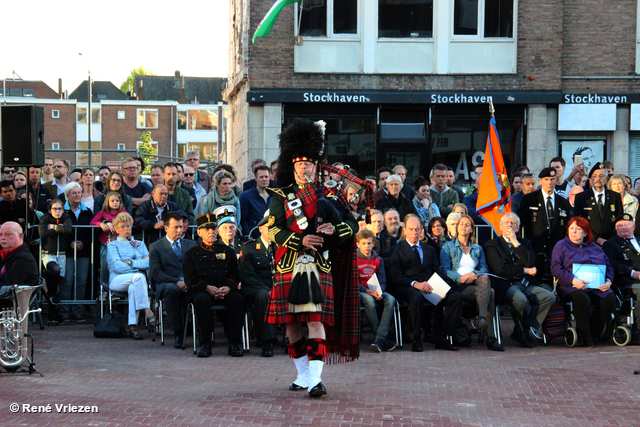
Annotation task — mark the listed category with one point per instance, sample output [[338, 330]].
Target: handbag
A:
[[110, 326]]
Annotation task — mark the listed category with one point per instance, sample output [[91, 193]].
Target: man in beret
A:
[[227, 229], [598, 205], [212, 277], [623, 251], [544, 216]]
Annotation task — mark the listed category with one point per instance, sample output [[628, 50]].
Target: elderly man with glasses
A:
[[193, 159]]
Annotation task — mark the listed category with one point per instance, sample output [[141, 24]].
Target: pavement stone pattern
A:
[[141, 383]]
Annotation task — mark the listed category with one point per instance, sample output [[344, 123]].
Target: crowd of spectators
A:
[[414, 231]]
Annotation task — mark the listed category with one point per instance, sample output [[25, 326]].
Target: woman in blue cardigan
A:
[[463, 262], [126, 258]]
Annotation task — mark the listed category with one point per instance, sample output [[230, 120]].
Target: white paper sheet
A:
[[439, 289]]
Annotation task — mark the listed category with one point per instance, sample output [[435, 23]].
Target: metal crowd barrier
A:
[[94, 272]]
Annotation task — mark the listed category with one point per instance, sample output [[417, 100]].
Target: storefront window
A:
[[405, 18], [403, 126]]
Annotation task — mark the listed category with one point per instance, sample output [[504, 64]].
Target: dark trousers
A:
[[173, 299], [602, 309], [447, 314], [232, 318], [259, 298]]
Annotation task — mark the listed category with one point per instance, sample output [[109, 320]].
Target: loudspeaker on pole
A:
[[22, 135]]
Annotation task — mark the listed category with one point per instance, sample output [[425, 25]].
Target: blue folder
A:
[[592, 273]]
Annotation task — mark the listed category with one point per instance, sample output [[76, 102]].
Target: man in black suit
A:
[[515, 261], [412, 264], [544, 216], [623, 251], [257, 279], [599, 205], [165, 263]]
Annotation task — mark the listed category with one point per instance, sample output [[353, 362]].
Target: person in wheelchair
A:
[[623, 251], [578, 247]]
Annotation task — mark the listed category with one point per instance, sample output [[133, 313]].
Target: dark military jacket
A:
[[624, 258], [586, 206], [210, 265], [255, 266], [533, 217]]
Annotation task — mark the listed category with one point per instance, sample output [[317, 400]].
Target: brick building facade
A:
[[396, 91]]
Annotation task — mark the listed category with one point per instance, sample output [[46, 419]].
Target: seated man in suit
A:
[[165, 264], [212, 277], [412, 264], [256, 277], [515, 260], [623, 251], [599, 205]]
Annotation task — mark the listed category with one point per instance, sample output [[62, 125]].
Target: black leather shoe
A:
[[235, 350], [318, 390], [267, 349], [417, 346], [446, 345], [521, 338], [492, 344], [178, 341], [205, 350], [295, 387]]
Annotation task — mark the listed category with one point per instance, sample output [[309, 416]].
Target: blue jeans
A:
[[66, 287], [381, 328]]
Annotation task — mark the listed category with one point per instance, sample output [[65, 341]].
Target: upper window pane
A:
[[82, 115], [465, 17], [345, 16], [313, 22], [182, 120], [147, 119], [95, 115], [202, 120], [498, 18], [405, 18]]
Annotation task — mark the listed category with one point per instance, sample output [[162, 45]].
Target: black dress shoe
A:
[[446, 345], [493, 344], [417, 346], [318, 390], [235, 350], [295, 387], [521, 338], [178, 341], [267, 349], [205, 350]]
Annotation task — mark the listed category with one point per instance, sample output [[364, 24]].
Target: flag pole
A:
[[491, 109]]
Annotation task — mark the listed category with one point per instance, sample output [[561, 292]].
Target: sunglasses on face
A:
[[189, 174]]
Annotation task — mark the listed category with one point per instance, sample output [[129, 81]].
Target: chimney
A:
[[141, 91], [60, 88], [182, 99]]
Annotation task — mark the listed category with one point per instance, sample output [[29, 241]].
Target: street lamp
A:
[[89, 112]]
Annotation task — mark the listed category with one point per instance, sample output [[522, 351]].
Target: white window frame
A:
[[121, 147], [421, 39], [55, 145], [480, 36], [155, 144], [145, 124], [121, 115], [330, 34], [55, 114]]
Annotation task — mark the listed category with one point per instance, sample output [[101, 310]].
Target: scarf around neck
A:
[[228, 200]]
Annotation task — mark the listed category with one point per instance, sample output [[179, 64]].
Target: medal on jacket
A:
[[296, 207], [221, 256]]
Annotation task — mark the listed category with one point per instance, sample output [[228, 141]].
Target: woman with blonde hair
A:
[[127, 258], [618, 184]]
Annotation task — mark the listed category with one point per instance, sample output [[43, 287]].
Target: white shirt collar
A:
[[172, 241], [595, 192]]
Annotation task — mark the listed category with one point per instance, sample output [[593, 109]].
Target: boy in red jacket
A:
[[369, 263]]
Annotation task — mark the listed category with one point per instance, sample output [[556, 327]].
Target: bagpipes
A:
[[336, 188]]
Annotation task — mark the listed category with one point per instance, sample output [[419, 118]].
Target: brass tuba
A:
[[14, 330]]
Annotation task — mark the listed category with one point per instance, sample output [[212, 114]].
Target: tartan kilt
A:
[[278, 309]]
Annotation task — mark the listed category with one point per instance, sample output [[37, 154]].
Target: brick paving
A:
[[141, 383]]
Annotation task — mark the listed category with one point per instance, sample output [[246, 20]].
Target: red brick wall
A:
[[125, 131]]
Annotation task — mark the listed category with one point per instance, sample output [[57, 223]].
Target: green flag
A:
[[270, 18]]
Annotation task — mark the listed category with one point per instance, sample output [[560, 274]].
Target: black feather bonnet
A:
[[301, 140]]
